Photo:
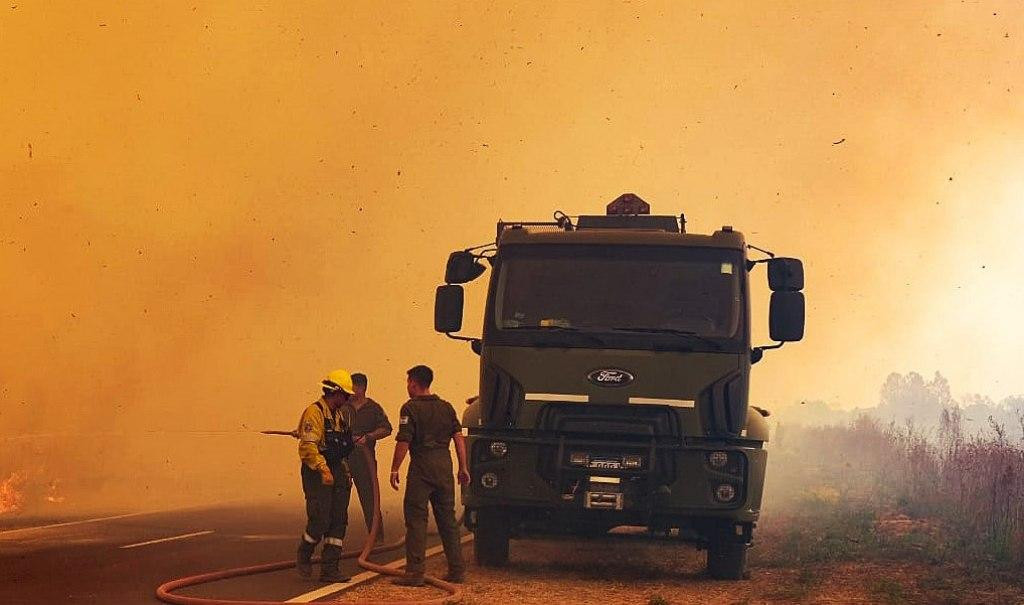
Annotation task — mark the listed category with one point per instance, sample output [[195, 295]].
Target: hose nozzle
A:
[[294, 434]]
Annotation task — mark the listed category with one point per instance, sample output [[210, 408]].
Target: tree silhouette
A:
[[909, 396]]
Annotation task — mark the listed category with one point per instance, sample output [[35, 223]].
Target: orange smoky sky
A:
[[205, 206]]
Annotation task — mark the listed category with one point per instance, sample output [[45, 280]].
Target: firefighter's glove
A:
[[463, 477], [325, 475], [395, 480]]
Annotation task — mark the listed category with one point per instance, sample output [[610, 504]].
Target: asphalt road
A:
[[124, 559]]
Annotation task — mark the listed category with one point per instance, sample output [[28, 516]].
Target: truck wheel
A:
[[490, 544], [727, 560]]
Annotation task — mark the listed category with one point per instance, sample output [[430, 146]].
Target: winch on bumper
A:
[[559, 483]]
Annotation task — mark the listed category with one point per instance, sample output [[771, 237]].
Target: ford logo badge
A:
[[610, 377]]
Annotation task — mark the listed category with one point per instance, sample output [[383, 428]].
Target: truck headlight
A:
[[725, 493], [718, 459], [489, 480], [579, 459], [499, 449], [632, 461]]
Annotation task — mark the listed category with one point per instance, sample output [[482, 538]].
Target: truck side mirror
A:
[[462, 268], [785, 275], [786, 316], [448, 301]]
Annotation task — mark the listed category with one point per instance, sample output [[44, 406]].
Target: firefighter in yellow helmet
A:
[[325, 440]]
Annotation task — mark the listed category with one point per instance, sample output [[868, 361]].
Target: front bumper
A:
[[675, 481]]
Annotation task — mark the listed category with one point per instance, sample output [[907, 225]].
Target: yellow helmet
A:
[[339, 380]]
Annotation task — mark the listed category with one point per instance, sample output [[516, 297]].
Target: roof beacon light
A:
[[628, 203]]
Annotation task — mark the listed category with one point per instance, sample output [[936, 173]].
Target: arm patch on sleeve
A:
[[403, 420]]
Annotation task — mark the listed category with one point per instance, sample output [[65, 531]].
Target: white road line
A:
[[181, 537], [70, 523], [22, 530], [362, 577]]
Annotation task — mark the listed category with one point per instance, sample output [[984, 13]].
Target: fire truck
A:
[[615, 359]]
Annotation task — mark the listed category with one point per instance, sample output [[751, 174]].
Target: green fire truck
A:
[[615, 365]]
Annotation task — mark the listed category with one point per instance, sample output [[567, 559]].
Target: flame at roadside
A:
[[53, 495], [17, 495], [12, 494]]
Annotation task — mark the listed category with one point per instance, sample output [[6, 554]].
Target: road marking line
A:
[[124, 516], [365, 576], [70, 523], [181, 537]]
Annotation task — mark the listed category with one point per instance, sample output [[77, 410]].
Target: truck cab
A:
[[615, 362]]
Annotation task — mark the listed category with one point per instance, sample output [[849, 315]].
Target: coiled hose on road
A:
[[165, 591]]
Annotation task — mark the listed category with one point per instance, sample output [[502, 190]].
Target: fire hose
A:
[[165, 591]]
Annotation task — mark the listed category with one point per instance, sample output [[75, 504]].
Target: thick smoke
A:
[[205, 209]]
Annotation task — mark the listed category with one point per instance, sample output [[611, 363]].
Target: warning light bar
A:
[[628, 203]]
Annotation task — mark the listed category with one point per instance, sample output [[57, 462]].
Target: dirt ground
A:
[[659, 573]]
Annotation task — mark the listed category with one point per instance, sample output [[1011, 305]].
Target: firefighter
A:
[[325, 440], [425, 429], [369, 424]]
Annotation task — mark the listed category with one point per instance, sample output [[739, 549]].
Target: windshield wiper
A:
[[688, 333], [558, 328]]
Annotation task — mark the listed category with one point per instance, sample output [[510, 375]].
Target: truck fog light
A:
[[489, 480], [718, 459], [499, 449], [725, 493], [631, 461], [579, 458]]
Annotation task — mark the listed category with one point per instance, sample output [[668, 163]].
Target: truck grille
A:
[[604, 437]]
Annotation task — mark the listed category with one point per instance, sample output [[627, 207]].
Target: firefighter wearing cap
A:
[[325, 440], [427, 427]]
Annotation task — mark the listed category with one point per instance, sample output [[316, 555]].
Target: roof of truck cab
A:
[[719, 239]]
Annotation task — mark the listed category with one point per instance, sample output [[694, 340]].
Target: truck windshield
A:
[[671, 290]]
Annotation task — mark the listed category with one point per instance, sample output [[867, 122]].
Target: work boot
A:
[[303, 557], [329, 560], [409, 580], [455, 577]]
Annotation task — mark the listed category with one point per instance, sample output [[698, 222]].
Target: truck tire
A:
[[490, 544], [727, 560]]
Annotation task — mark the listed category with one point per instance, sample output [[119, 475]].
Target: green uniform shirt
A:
[[426, 423], [367, 419]]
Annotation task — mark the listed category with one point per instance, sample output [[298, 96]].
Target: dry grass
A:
[[861, 513], [889, 489], [542, 572]]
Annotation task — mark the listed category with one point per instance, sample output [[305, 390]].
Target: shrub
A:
[[847, 481]]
